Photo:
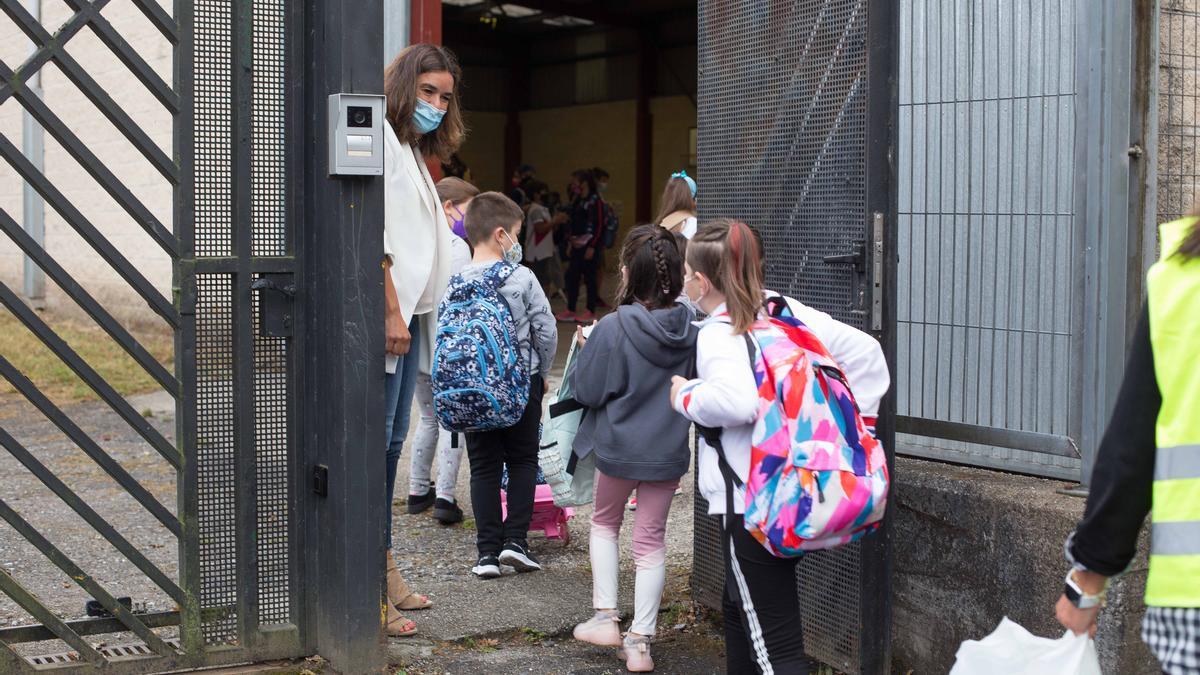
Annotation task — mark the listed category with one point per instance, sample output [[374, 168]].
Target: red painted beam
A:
[[425, 22]]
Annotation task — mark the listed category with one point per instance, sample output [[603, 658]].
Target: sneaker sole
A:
[[599, 642], [447, 517], [414, 509], [486, 571], [518, 562]]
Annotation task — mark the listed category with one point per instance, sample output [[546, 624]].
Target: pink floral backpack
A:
[[818, 479]]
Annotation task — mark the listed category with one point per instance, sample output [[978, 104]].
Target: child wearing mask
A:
[[455, 195]]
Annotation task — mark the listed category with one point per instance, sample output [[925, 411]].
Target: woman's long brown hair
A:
[[676, 196], [726, 252], [400, 86]]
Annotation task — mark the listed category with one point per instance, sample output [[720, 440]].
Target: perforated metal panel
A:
[[244, 449], [783, 145], [213, 158], [216, 442], [269, 235], [788, 157]]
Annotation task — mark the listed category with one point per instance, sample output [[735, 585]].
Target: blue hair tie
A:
[[687, 179]]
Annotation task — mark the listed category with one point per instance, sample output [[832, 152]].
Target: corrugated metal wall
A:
[[987, 243]]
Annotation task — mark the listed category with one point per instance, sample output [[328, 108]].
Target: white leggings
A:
[[428, 439]]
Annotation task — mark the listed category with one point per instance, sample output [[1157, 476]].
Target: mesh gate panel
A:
[[214, 455], [269, 236], [782, 146], [212, 128]]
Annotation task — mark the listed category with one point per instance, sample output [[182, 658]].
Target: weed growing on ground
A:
[[532, 636]]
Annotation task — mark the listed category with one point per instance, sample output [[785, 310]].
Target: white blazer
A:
[[416, 239]]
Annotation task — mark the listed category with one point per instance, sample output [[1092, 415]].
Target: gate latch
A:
[[857, 258], [276, 296]]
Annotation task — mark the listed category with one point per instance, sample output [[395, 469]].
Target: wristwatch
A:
[[1080, 599]]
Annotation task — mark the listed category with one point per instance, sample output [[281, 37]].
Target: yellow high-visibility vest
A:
[[1173, 294]]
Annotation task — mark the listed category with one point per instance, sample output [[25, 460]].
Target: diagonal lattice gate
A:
[[235, 594]]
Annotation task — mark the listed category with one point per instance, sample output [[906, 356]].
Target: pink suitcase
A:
[[547, 517]]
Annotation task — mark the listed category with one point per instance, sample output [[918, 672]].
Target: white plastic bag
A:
[[1012, 650]]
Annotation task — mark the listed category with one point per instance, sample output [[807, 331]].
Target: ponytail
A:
[[727, 252]]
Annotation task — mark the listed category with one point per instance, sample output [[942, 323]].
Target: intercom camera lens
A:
[[359, 116]]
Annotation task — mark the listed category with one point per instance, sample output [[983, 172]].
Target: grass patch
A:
[[532, 635], [57, 381]]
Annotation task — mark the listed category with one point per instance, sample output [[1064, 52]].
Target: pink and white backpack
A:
[[818, 478]]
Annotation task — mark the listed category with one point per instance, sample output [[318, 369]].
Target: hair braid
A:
[[660, 267]]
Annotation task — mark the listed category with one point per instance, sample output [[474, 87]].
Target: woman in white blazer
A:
[[424, 121]]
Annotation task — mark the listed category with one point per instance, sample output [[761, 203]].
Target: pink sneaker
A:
[[636, 650], [586, 317], [603, 629], [565, 315]]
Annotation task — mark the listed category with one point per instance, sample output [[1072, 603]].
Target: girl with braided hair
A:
[[623, 375]]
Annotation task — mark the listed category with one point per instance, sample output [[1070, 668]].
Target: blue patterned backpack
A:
[[479, 380]]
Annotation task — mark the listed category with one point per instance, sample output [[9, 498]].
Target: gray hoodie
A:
[[623, 376]]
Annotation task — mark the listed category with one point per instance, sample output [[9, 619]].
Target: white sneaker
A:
[[637, 653], [603, 629], [488, 567]]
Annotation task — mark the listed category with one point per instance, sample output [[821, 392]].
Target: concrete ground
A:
[[522, 623], [512, 624]]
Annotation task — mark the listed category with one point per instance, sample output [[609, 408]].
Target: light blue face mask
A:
[[427, 117], [512, 255]]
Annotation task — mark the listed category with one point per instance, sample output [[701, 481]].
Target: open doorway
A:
[[561, 85]]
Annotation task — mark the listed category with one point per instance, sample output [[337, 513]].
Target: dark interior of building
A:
[[563, 84]]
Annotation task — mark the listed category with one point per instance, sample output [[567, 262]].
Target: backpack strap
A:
[[499, 273]]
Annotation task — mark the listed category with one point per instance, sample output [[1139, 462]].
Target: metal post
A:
[[341, 310], [32, 206], [396, 21]]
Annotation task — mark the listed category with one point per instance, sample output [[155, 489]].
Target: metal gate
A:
[[797, 102], [250, 77]]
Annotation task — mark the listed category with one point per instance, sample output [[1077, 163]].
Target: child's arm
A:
[[543, 329], [859, 355], [724, 394], [597, 377]]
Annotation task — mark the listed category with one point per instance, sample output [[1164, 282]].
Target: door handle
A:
[[857, 258]]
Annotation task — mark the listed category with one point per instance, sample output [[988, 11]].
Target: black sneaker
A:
[[488, 567], [447, 512], [517, 556], [421, 503]]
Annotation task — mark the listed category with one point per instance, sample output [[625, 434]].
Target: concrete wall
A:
[[86, 121], [109, 145], [973, 546]]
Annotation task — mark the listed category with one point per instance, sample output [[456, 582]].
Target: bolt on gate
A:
[[810, 164], [276, 357]]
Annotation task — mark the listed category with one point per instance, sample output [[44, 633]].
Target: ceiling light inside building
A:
[[567, 22], [514, 11], [462, 3]]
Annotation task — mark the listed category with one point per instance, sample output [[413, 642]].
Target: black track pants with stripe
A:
[[762, 609]]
